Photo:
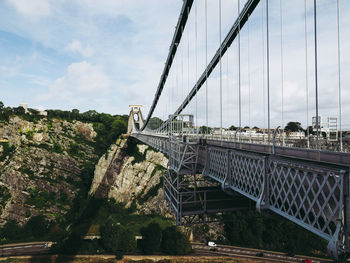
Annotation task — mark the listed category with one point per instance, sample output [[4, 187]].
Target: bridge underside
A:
[[297, 184], [201, 204]]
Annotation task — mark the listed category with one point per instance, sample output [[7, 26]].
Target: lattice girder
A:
[[312, 195]]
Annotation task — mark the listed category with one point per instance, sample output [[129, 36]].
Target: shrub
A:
[[175, 242], [152, 236]]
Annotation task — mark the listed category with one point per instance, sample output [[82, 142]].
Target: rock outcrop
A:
[[132, 174], [40, 166]]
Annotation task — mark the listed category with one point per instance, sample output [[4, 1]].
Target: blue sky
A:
[[100, 55], [107, 54]]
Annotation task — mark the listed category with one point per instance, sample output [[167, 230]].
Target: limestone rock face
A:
[[39, 173], [132, 181]]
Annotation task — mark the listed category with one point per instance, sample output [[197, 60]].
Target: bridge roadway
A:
[[308, 187]]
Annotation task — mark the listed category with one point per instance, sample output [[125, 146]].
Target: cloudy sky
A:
[[107, 54]]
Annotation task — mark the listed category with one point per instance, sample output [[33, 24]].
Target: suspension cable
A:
[[250, 133], [182, 69], [220, 69], [306, 78], [263, 64], [239, 68], [282, 73], [206, 65], [188, 57], [196, 67], [316, 75], [227, 88], [268, 70], [339, 81]]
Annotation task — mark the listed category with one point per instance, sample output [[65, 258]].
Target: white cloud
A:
[[76, 47], [81, 78], [33, 8]]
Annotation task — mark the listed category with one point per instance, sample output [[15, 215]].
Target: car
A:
[[211, 244]]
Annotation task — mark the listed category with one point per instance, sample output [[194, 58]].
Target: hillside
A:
[[42, 166], [71, 176]]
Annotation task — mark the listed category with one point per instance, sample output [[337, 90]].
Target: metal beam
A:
[[248, 9], [186, 8]]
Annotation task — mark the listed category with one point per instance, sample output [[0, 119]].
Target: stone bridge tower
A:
[[135, 118]]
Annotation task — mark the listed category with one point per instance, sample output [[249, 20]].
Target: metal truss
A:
[[191, 198], [312, 195]]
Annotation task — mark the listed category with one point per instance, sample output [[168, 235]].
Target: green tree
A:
[[175, 242], [117, 239], [11, 230], [204, 130], [154, 123], [293, 126], [19, 110], [111, 236], [37, 226], [152, 237]]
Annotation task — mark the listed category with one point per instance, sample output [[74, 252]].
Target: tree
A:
[[175, 242], [232, 128], [204, 130], [154, 123], [293, 127], [117, 239], [152, 236], [19, 110], [11, 230], [111, 236], [33, 111], [37, 226]]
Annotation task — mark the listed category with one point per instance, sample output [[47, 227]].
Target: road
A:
[[240, 252], [28, 248], [34, 248]]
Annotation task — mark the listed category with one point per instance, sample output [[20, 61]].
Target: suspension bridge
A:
[[216, 167]]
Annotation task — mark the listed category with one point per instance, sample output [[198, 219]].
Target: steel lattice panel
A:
[[217, 164], [246, 174], [312, 197]]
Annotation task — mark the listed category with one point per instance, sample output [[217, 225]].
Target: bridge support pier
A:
[[136, 119]]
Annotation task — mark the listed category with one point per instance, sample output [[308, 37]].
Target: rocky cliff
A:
[[131, 173], [41, 165]]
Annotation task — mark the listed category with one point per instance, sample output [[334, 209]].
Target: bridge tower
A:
[[136, 119]]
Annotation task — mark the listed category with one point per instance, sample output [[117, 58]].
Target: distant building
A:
[[24, 105], [296, 135], [328, 125]]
